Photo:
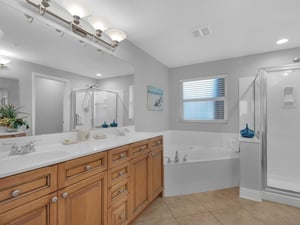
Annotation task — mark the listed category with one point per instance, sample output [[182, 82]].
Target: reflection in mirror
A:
[[9, 91], [40, 58], [3, 96]]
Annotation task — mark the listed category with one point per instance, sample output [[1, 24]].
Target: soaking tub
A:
[[207, 161]]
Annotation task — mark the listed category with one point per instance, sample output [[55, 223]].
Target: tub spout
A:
[[176, 157], [169, 159], [184, 158]]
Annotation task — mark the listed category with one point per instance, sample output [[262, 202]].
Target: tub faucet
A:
[[176, 157], [184, 158], [169, 159]]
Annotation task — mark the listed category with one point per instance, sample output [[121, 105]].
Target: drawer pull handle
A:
[[122, 190], [15, 193], [54, 199], [87, 167], [121, 173], [158, 143], [65, 194], [142, 148], [123, 155]]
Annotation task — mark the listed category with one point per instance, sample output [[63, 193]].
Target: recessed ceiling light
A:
[[98, 74], [282, 41]]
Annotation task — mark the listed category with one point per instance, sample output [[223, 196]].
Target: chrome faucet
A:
[[184, 158], [169, 159], [176, 157]]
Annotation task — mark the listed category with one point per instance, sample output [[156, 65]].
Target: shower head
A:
[[296, 59], [92, 86]]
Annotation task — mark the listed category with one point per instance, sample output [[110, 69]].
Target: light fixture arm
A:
[[75, 27]]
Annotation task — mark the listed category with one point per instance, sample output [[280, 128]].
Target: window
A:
[[204, 99]]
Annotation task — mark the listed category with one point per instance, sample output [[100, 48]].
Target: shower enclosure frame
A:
[[262, 73], [92, 88]]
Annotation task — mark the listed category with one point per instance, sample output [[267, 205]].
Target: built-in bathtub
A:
[[207, 161]]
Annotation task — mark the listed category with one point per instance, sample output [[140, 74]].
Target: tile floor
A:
[[222, 207]]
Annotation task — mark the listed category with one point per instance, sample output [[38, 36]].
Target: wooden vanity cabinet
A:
[[84, 203], [156, 167], [106, 188], [42, 211]]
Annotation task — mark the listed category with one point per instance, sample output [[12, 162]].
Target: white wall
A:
[[235, 68], [148, 71]]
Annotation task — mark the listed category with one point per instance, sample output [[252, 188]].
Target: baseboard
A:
[[279, 198], [251, 194]]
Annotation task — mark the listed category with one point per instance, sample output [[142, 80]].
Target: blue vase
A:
[[247, 133], [104, 125], [114, 124]]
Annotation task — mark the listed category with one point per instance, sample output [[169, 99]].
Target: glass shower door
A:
[[282, 129]]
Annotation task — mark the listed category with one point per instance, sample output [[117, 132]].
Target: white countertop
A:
[[56, 152]]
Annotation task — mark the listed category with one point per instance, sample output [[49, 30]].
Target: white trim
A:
[[251, 194], [283, 199], [66, 104], [205, 78]]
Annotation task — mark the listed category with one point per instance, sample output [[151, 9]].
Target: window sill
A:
[[203, 121]]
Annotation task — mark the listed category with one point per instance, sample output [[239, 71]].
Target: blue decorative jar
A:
[[114, 124], [247, 133], [104, 125]]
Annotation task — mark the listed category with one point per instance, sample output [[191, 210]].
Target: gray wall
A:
[[235, 68], [12, 87], [148, 71], [120, 83]]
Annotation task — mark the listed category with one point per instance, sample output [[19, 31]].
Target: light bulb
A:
[[75, 9], [116, 35], [97, 23], [282, 41], [4, 61]]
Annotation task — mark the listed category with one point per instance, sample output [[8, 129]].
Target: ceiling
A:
[[163, 29], [40, 43]]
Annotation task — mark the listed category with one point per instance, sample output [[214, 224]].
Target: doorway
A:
[[51, 104]]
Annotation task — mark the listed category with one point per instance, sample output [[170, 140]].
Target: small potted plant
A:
[[10, 117]]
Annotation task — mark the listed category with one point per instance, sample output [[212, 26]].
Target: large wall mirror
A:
[[52, 76]]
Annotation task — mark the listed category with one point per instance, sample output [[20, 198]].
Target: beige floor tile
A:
[[237, 217], [203, 218], [274, 213], [156, 222], [157, 211], [184, 205]]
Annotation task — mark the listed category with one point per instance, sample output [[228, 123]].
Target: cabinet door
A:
[[118, 214], [140, 170], [156, 175], [84, 203], [42, 211]]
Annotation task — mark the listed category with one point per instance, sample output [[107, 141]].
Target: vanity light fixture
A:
[[81, 23], [282, 41], [3, 63], [98, 74]]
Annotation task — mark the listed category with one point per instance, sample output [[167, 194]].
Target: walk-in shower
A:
[[277, 119], [93, 106]]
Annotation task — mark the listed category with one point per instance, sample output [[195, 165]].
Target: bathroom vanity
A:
[[105, 187]]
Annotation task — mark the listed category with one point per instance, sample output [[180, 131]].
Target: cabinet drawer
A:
[[118, 156], [118, 191], [157, 142], [22, 188], [118, 214], [75, 170], [140, 148], [118, 174]]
